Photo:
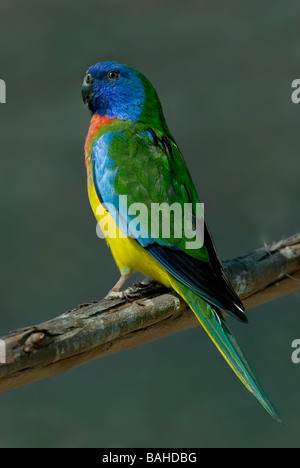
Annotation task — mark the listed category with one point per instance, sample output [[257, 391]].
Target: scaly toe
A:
[[120, 294], [115, 295]]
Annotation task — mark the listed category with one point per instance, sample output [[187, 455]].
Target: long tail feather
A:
[[216, 327]]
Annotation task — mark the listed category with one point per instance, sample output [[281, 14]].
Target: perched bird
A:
[[129, 151]]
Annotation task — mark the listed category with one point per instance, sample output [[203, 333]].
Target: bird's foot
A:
[[116, 292], [130, 293], [113, 294]]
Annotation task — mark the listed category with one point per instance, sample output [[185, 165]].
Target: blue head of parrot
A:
[[114, 90], [117, 91]]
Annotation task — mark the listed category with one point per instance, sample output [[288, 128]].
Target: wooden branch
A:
[[99, 329]]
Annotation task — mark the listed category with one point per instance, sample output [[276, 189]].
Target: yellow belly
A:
[[128, 254]]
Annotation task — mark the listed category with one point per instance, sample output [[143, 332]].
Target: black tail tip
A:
[[245, 320]]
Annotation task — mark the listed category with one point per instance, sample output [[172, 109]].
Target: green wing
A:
[[147, 167]]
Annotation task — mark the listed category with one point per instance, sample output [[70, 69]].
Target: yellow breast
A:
[[128, 254]]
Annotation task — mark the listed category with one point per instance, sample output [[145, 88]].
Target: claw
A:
[[115, 295], [127, 294], [116, 292]]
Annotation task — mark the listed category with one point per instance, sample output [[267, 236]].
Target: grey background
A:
[[223, 71]]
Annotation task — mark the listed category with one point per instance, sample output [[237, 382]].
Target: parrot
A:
[[130, 152]]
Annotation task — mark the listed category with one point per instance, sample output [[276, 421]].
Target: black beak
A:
[[87, 91]]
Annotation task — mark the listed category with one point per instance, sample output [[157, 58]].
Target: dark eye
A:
[[89, 79], [113, 75]]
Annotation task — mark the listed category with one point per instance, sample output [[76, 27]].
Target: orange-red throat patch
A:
[[96, 123]]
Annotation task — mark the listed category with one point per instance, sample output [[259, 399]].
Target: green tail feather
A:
[[216, 327]]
